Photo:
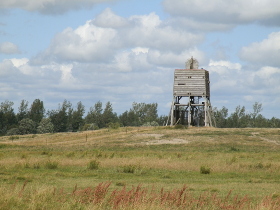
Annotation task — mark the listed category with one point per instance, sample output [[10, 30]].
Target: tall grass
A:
[[136, 197]]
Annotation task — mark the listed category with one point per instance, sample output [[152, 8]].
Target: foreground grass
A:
[[100, 197], [244, 162]]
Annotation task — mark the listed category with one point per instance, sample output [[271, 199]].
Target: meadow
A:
[[142, 168]]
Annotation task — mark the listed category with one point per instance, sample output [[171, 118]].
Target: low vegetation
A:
[[142, 168]]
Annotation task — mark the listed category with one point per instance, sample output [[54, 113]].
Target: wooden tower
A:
[[192, 86]]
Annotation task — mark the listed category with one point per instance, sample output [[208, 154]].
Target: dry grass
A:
[[245, 162]]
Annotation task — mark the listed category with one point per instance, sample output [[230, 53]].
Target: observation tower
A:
[[191, 96]]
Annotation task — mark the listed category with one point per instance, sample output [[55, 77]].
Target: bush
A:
[[149, 124], [36, 166], [13, 131], [70, 154], [93, 165], [129, 169], [115, 125], [45, 126], [13, 137], [87, 127], [51, 165], [27, 126], [180, 126], [205, 170]]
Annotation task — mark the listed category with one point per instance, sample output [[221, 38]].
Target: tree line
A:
[[242, 119], [66, 118]]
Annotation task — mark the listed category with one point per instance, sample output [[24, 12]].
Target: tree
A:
[[94, 115], [274, 123], [45, 126], [129, 118], [108, 116], [27, 126], [22, 110], [8, 118], [238, 119], [162, 120], [60, 117], [140, 114], [145, 112], [256, 119], [77, 116], [221, 117], [37, 111]]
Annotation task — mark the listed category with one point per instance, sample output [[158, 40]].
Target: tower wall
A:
[[191, 82]]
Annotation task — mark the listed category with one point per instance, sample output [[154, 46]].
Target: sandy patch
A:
[[158, 141], [165, 141]]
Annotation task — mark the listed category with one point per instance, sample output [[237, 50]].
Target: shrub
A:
[[234, 149], [70, 154], [23, 156], [27, 126], [36, 166], [120, 184], [13, 137], [93, 165], [129, 169], [205, 170], [179, 126], [87, 127], [149, 124], [112, 125], [45, 126], [259, 166], [12, 132], [51, 165]]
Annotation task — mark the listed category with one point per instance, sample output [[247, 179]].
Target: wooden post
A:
[[189, 113]]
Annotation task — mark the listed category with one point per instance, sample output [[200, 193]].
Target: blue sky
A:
[[126, 50]]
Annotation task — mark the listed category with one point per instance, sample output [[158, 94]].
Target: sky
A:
[[125, 51]]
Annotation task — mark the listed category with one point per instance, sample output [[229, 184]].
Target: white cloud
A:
[[266, 52], [266, 80], [224, 67], [229, 12], [122, 61], [150, 32], [8, 48], [225, 77], [138, 50], [159, 58], [101, 43], [19, 62], [233, 84], [86, 43], [107, 19], [51, 6]]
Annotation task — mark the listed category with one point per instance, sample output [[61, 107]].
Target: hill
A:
[[244, 162]]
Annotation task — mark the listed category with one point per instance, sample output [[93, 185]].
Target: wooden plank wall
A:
[[191, 82]]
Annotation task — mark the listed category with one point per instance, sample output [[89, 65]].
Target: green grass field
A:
[[142, 168]]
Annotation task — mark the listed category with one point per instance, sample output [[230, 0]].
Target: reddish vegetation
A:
[[101, 197], [177, 198]]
